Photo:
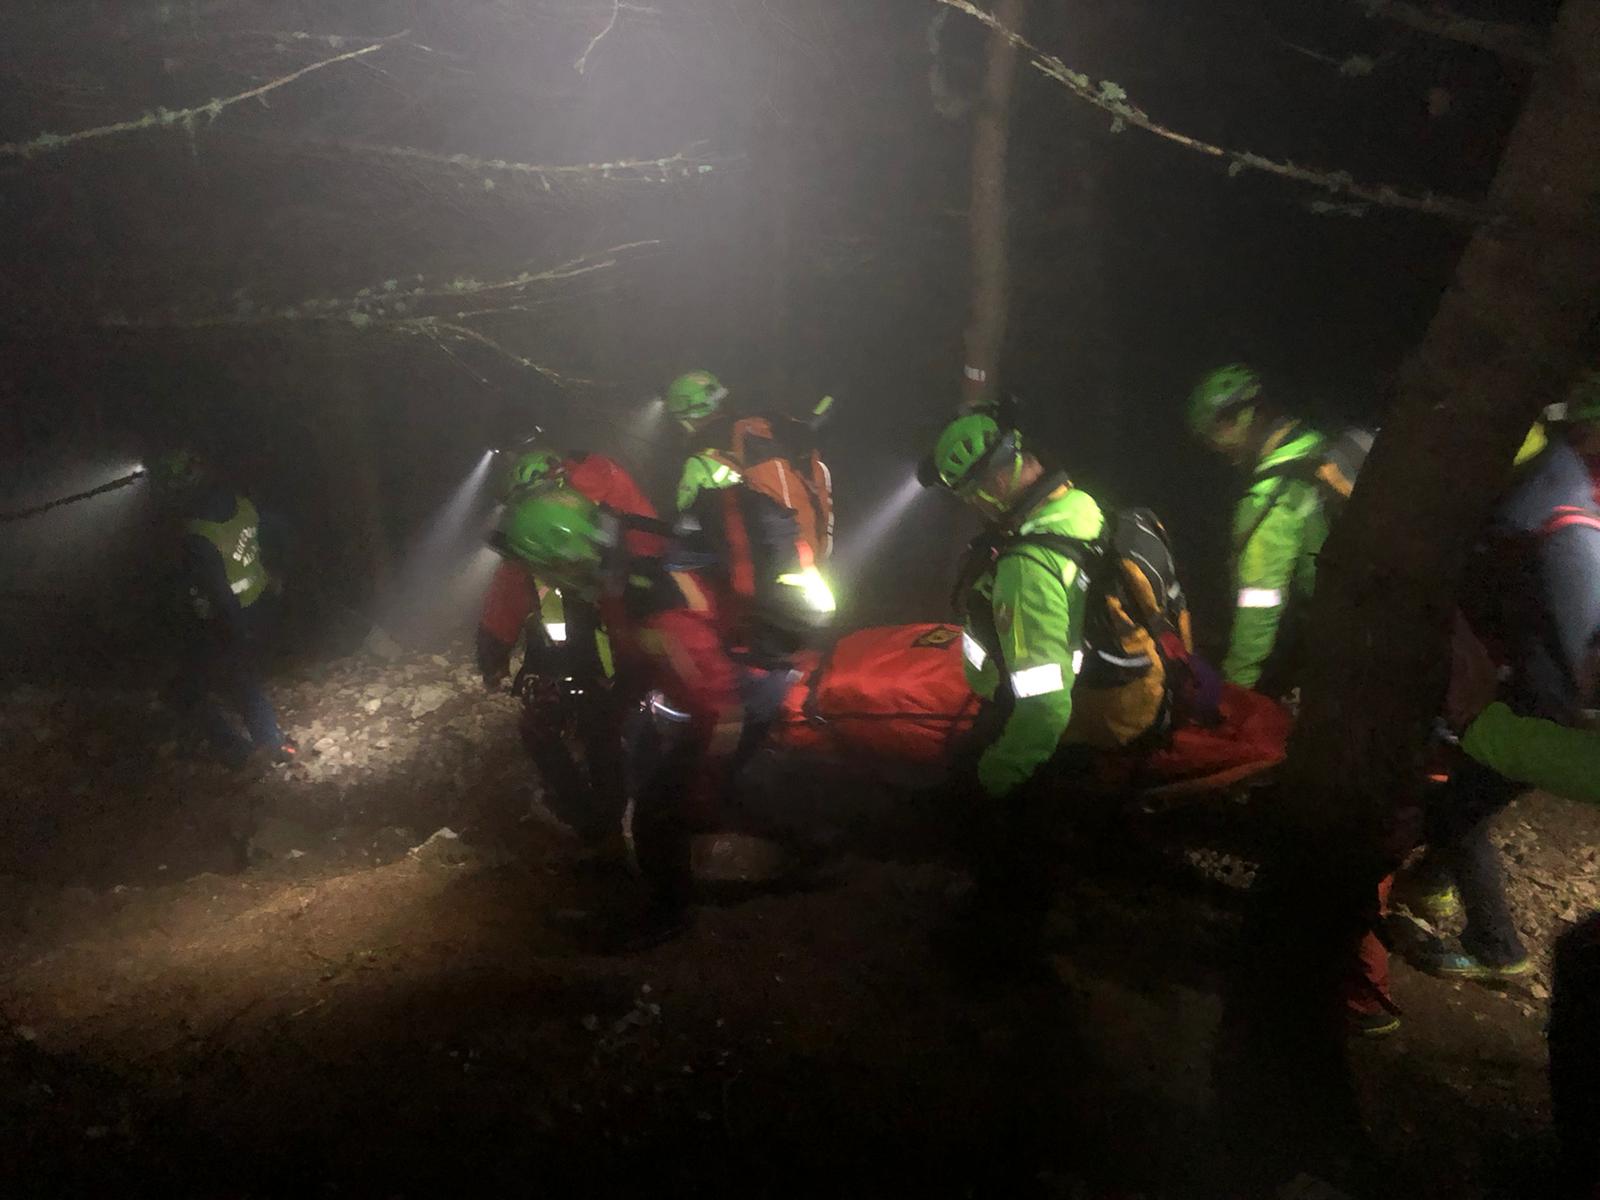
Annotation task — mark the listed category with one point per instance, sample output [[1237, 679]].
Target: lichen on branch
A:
[[416, 305], [182, 118], [1111, 98]]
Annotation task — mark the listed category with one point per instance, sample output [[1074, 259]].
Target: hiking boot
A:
[[1378, 1024], [1460, 965], [1433, 906]]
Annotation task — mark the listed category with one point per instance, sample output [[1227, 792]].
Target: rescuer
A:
[[566, 682], [1543, 754], [1534, 588], [1036, 623], [228, 594], [668, 626], [1298, 477], [756, 509]]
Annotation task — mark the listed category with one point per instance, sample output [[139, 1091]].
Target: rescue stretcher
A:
[[896, 696]]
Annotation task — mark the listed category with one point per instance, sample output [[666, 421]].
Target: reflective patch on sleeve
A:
[[557, 631], [1260, 598], [1038, 681], [239, 587], [1077, 662], [975, 654]]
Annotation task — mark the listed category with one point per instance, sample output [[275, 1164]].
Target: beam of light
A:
[[648, 421], [428, 597], [121, 477], [73, 557], [861, 544]]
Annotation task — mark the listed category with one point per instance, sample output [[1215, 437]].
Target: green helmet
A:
[[534, 467], [694, 396], [968, 445], [179, 470], [1219, 393], [551, 529]]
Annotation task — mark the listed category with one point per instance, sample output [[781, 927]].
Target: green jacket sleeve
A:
[[1264, 575], [701, 473], [1540, 753], [1039, 616]]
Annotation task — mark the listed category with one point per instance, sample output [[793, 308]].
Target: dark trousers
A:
[[1553, 616], [587, 797], [220, 672], [1459, 851]]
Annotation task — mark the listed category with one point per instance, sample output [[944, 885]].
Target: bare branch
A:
[[682, 165], [392, 308], [582, 64], [472, 335], [185, 117], [1509, 41], [1110, 98]]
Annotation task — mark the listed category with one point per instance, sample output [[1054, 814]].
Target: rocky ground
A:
[[369, 974]]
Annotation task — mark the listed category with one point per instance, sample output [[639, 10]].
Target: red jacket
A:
[[513, 595]]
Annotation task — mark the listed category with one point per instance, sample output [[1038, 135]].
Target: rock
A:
[[373, 705], [737, 858], [443, 848], [428, 698], [380, 645]]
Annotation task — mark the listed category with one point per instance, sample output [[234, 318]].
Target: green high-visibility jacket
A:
[[705, 471], [238, 542], [1278, 530], [1023, 638], [1536, 752]]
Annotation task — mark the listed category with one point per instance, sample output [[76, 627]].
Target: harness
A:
[[1331, 467]]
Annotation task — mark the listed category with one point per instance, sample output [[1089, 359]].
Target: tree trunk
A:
[[1511, 332], [352, 479], [991, 283]]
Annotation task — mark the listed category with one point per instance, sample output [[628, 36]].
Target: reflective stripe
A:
[[813, 587], [975, 654], [240, 586], [1260, 598], [557, 631], [1037, 681], [1115, 660], [1077, 662]]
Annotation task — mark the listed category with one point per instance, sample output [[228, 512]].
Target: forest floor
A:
[[290, 982]]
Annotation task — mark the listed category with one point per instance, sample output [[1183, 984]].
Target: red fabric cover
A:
[[606, 481], [899, 693], [1252, 738], [512, 595]]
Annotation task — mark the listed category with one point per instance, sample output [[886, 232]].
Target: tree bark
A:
[[1511, 332], [985, 333], [353, 482]]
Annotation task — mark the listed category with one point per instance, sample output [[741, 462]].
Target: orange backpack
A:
[[797, 479]]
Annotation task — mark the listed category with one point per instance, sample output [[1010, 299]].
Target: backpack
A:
[[1133, 588], [1333, 469], [1133, 580], [789, 470]]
